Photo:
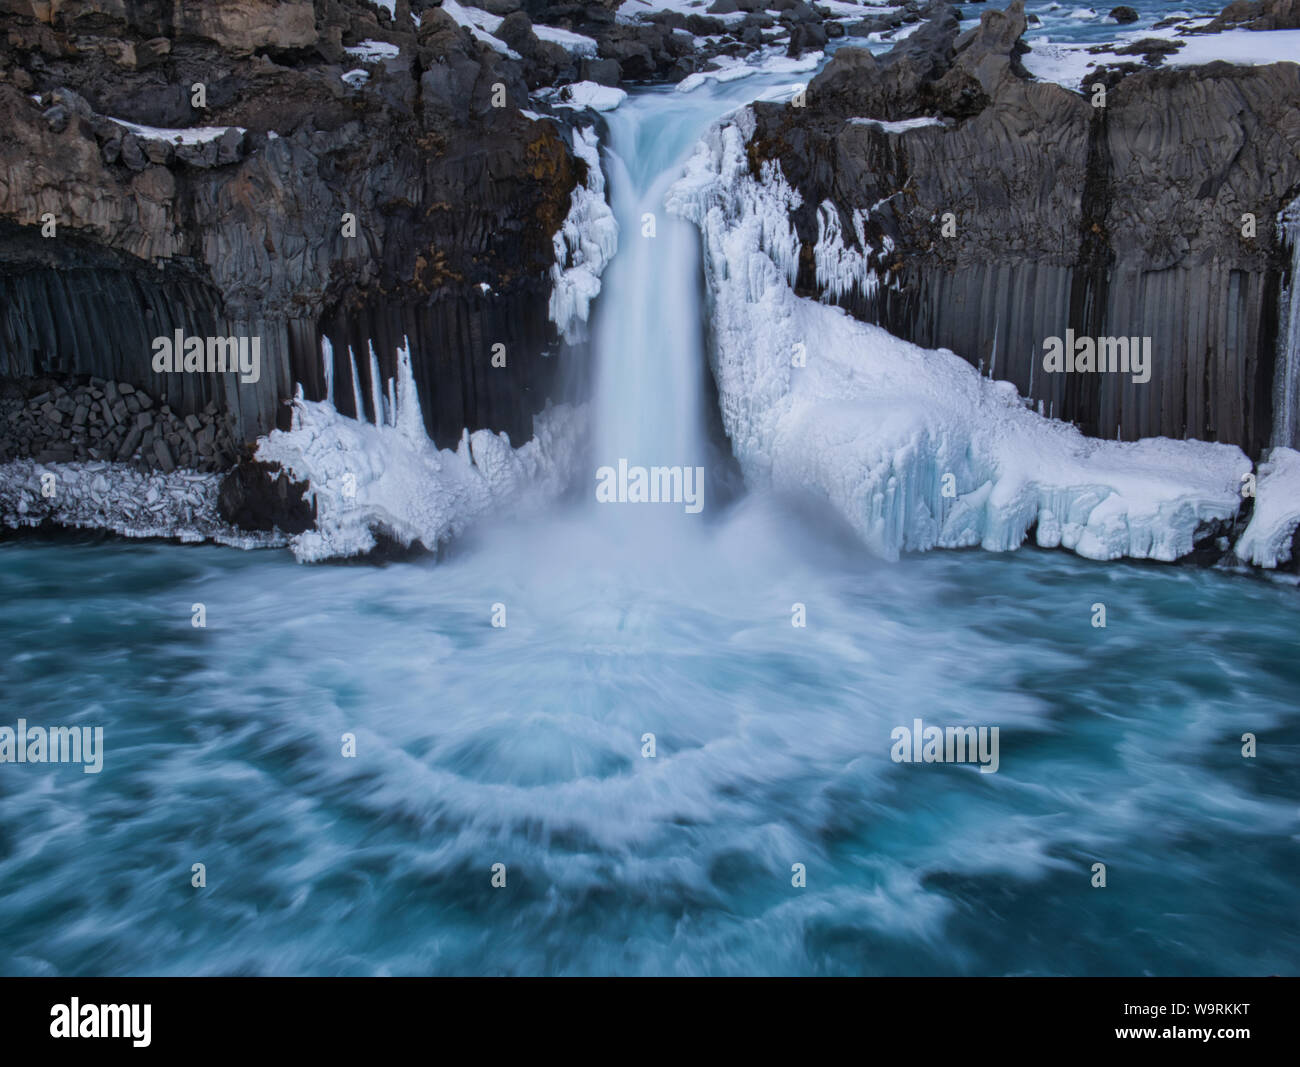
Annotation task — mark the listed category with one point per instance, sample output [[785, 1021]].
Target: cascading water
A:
[[649, 400]]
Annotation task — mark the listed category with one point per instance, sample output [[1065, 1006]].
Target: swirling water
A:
[[523, 745]]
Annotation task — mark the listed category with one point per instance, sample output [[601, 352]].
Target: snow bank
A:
[[176, 135], [373, 51], [584, 244], [586, 94], [392, 478], [768, 61], [481, 24], [1266, 542], [899, 126], [914, 447], [117, 497], [575, 43], [1068, 64]]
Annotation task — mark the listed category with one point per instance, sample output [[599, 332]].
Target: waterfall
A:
[[1286, 387], [649, 403]]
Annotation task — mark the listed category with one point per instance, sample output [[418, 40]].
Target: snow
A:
[[391, 478], [1250, 47], [576, 43], [584, 244], [1065, 64], [586, 94], [1069, 64], [100, 495], [1266, 541], [369, 51], [630, 9], [481, 24], [876, 424], [900, 126], [180, 135], [356, 78], [771, 61]]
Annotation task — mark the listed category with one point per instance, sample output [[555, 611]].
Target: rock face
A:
[[53, 421], [1020, 210], [260, 496], [398, 200], [1257, 15]]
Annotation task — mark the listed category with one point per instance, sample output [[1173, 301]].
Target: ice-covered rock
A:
[[100, 495], [912, 446], [584, 244], [1266, 541], [391, 478]]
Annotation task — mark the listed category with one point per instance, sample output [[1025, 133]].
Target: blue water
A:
[[1069, 21], [522, 745]]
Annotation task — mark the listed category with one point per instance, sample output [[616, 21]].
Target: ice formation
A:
[[100, 495], [584, 244], [1266, 541], [391, 478], [913, 447]]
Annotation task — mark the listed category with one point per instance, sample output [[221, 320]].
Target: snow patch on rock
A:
[[575, 43], [585, 94], [369, 51], [481, 24], [185, 135]]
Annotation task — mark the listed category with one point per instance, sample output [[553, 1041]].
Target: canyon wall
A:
[[1020, 210], [245, 231]]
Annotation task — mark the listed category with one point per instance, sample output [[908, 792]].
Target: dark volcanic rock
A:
[[260, 496], [1123, 15], [453, 199], [1120, 220], [1257, 15]]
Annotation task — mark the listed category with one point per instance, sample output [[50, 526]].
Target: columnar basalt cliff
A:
[[949, 197], [117, 227]]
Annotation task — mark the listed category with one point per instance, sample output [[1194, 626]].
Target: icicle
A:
[[327, 361], [376, 388], [356, 386], [410, 420]]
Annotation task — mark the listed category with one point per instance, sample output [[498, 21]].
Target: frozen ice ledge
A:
[[914, 447]]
